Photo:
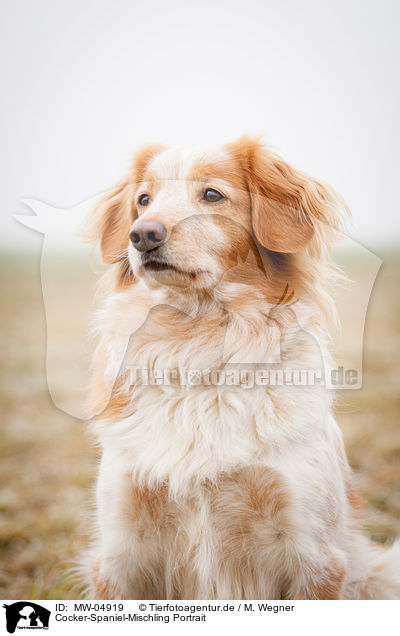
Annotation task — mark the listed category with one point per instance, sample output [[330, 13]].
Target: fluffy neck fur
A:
[[190, 434]]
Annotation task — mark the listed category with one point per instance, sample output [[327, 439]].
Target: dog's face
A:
[[185, 217], [193, 218]]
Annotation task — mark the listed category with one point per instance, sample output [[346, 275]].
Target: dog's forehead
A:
[[180, 162]]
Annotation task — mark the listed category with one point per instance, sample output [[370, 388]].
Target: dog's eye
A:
[[212, 196], [144, 199]]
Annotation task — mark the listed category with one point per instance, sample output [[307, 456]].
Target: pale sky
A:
[[85, 83]]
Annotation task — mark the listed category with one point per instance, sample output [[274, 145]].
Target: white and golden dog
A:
[[214, 490]]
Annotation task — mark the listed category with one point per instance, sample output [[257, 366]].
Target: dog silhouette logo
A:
[[69, 272], [26, 615]]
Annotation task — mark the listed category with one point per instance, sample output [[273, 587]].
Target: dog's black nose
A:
[[146, 235]]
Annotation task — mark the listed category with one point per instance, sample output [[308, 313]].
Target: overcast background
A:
[[84, 83]]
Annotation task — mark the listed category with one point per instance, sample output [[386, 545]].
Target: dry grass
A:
[[369, 417], [48, 465]]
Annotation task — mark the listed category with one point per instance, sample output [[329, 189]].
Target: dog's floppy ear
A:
[[109, 223], [115, 214], [286, 204]]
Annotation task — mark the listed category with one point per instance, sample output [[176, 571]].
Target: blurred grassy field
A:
[[48, 466]]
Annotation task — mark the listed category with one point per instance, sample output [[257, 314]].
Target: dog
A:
[[232, 488]]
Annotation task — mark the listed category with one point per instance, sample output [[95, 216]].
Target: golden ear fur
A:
[[115, 217], [109, 223], [288, 207]]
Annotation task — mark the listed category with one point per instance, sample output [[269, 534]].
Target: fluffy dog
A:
[[213, 485]]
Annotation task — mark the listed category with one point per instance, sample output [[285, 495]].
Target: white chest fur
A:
[[184, 433]]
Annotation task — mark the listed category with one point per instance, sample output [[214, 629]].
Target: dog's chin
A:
[[163, 272]]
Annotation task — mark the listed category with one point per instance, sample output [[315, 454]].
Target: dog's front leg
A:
[[128, 562]]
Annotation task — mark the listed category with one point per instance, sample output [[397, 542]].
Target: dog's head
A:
[[185, 217]]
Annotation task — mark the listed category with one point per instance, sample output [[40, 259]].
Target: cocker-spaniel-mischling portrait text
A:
[[217, 489]]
